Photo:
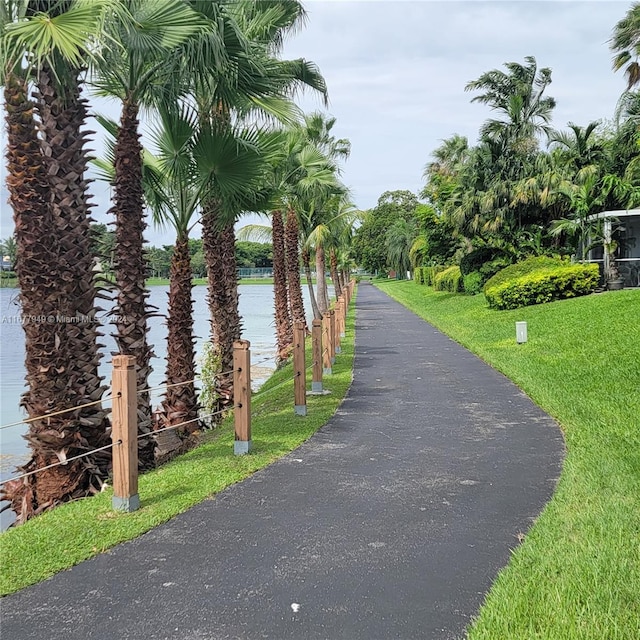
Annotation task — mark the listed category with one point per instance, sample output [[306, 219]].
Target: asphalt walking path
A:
[[391, 522]]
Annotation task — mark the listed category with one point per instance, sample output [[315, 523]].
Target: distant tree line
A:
[[249, 255]]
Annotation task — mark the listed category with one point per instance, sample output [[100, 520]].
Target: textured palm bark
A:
[[180, 402], [131, 310], [284, 326], [323, 292], [306, 263], [335, 275], [48, 349], [218, 242], [63, 143], [291, 237]]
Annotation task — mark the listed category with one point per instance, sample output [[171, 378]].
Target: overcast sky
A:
[[396, 72]]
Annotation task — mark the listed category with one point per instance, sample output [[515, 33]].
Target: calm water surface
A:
[[256, 308]]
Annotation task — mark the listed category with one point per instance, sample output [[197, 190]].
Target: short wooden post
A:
[[343, 316], [326, 344], [124, 434], [335, 346], [242, 397], [299, 367], [316, 350], [338, 323]]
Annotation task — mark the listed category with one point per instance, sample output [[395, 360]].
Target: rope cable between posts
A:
[[166, 386], [57, 413], [182, 424], [60, 463]]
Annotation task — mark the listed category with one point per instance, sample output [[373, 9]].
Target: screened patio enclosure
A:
[[622, 228]]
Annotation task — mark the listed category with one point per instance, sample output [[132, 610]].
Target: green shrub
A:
[[523, 268], [429, 274], [551, 280], [473, 282], [418, 275], [448, 280]]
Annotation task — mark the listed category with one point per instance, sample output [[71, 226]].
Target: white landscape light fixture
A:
[[521, 332]]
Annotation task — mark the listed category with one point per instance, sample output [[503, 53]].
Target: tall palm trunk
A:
[[180, 403], [292, 235], [306, 263], [323, 293], [284, 326], [130, 268], [48, 349], [63, 144], [218, 243], [335, 276]]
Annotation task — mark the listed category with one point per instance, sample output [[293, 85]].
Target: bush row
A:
[[542, 284], [426, 275], [532, 281], [449, 280]]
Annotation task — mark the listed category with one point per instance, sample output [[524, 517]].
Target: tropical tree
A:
[[625, 44], [45, 45], [369, 248], [133, 68], [398, 241], [173, 190], [518, 97], [249, 82]]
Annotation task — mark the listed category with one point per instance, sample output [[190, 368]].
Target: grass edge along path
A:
[[577, 574], [76, 531]]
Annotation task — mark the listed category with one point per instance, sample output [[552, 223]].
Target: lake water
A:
[[256, 309]]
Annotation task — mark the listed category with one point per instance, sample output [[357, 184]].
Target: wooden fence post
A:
[[242, 397], [316, 350], [299, 367], [326, 344], [334, 338], [338, 324], [343, 316], [124, 434]]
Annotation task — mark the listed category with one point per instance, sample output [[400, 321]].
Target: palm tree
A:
[[578, 144], [625, 44], [284, 322], [133, 68], [249, 82], [519, 97], [173, 192], [399, 241], [282, 311], [48, 194]]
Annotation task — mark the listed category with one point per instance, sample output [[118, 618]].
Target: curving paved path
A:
[[391, 522]]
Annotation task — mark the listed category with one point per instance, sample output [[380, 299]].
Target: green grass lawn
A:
[[577, 574], [76, 531]]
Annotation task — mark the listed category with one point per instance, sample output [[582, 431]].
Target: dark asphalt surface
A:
[[391, 522]]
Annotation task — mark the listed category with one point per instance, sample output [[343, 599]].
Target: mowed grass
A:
[[76, 531], [577, 574]]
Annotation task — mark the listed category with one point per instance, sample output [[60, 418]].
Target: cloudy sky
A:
[[396, 72]]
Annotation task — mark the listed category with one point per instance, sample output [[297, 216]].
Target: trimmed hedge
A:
[[430, 273], [449, 280], [539, 280], [418, 275]]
